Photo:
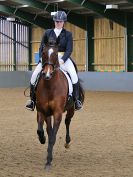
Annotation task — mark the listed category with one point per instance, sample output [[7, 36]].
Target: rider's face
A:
[[59, 24]]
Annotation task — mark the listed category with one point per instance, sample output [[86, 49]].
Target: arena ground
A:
[[102, 138]]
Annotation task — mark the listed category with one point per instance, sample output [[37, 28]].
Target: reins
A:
[[25, 92]]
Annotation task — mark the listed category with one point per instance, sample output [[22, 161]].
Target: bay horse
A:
[[51, 100]]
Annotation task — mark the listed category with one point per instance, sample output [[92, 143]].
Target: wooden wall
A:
[[79, 44], [109, 46], [37, 34]]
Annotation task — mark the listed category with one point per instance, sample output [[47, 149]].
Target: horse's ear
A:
[[52, 41]]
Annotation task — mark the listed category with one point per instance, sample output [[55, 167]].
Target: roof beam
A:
[[72, 17], [35, 4], [117, 2], [130, 1], [114, 15], [39, 21]]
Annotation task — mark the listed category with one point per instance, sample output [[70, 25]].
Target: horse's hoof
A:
[[42, 140], [67, 145], [41, 137], [47, 167]]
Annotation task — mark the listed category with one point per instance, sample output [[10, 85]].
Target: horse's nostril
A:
[[47, 78]]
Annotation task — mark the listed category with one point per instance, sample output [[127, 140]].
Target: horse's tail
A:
[[81, 92]]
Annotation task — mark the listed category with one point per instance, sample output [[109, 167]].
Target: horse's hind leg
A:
[[40, 131], [69, 115]]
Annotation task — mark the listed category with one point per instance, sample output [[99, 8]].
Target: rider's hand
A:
[[61, 61], [40, 59]]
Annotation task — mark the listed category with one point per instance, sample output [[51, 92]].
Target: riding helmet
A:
[[60, 16]]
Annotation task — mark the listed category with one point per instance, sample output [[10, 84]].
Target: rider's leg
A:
[[69, 67], [31, 103], [78, 104]]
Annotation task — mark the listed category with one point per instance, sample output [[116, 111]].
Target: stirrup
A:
[[30, 105], [78, 104]]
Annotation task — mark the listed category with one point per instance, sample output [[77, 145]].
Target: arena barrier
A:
[[93, 81]]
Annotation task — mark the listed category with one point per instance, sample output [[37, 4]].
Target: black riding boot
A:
[[78, 104], [31, 103]]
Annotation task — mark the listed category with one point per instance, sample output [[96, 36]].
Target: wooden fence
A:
[[109, 46]]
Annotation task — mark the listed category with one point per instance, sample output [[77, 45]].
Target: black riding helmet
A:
[[60, 16]]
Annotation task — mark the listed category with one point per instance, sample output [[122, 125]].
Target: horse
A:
[[51, 100]]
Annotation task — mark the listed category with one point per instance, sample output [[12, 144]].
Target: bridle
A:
[[55, 67]]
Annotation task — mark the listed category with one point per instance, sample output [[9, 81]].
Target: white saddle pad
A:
[[69, 82]]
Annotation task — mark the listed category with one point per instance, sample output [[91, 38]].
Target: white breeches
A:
[[35, 73], [67, 66]]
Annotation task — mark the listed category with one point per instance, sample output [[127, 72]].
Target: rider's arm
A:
[[43, 42], [69, 47]]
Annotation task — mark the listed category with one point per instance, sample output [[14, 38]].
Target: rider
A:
[[65, 49]]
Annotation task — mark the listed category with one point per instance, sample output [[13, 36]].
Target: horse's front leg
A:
[[40, 131], [52, 137], [69, 115]]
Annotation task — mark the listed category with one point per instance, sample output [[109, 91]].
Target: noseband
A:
[[55, 68], [48, 63]]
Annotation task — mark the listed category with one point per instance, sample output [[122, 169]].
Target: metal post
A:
[[125, 45], [90, 31], [86, 51], [30, 49], [14, 45]]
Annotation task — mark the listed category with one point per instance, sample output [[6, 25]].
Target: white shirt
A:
[[57, 31]]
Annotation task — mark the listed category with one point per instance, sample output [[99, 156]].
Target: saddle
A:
[[70, 90], [70, 100]]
